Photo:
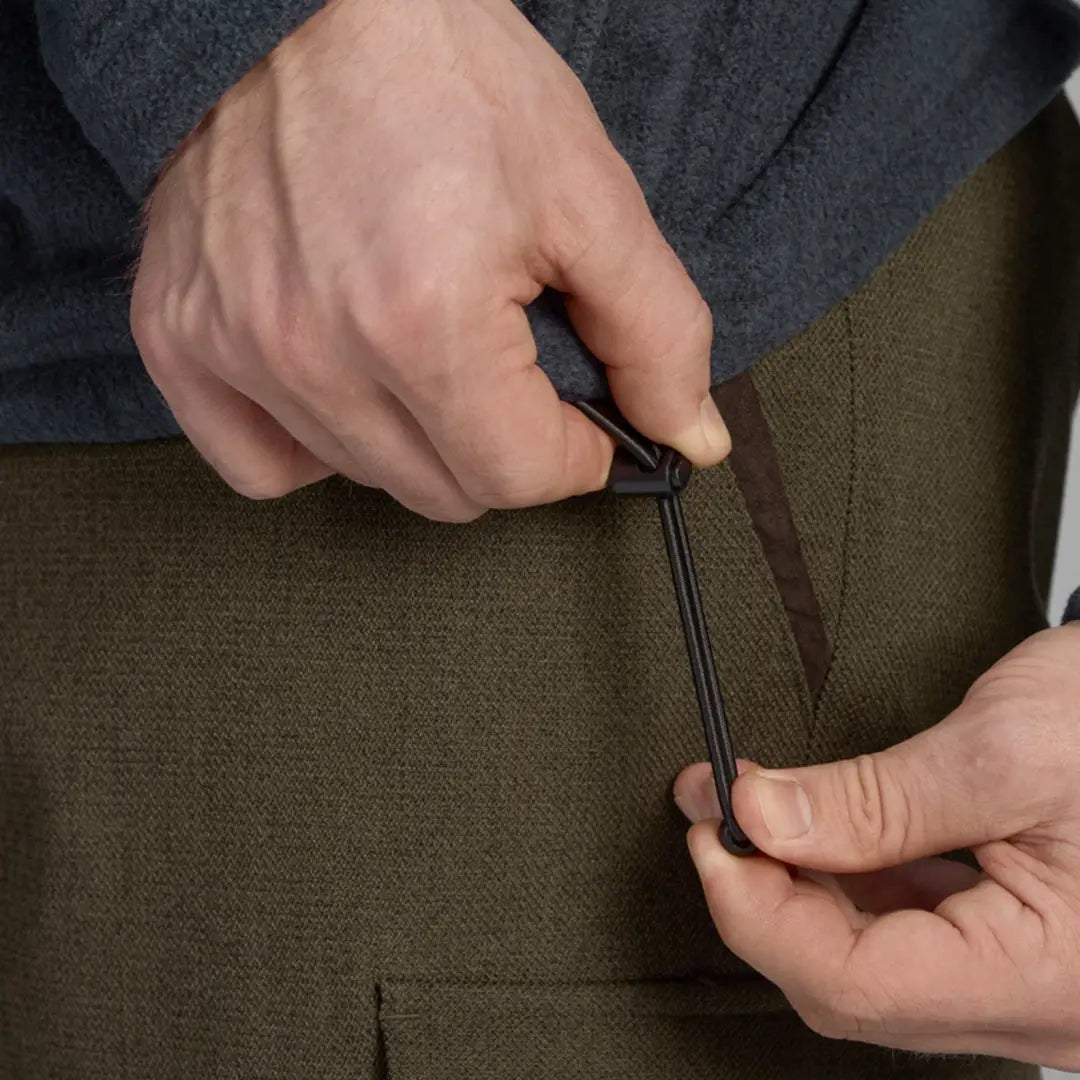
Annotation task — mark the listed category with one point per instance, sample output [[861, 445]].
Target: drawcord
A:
[[641, 467]]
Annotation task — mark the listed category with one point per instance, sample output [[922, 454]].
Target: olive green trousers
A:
[[316, 788]]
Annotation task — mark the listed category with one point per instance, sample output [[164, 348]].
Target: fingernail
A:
[[695, 807], [713, 427], [784, 805]]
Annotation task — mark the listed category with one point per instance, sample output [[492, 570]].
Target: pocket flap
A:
[[632, 1031], [726, 1029]]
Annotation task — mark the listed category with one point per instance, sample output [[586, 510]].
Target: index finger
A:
[[877, 979], [496, 420]]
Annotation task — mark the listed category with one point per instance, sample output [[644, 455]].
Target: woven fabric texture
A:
[[315, 788]]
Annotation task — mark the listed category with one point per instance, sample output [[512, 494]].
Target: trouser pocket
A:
[[731, 1029]]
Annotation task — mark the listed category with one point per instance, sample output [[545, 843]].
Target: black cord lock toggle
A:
[[641, 467], [668, 478]]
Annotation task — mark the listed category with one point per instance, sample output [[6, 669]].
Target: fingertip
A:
[[672, 416], [589, 452], [695, 793], [636, 307], [706, 850], [706, 442], [693, 774]]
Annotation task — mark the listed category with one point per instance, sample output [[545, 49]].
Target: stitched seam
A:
[[849, 515]]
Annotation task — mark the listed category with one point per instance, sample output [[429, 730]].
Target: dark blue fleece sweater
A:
[[785, 147]]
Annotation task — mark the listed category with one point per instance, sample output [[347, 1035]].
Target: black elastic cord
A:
[[703, 669], [648, 457], [646, 453]]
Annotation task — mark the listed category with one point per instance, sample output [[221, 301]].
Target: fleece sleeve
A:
[[138, 75]]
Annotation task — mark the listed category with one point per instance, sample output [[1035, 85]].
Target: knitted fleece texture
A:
[[785, 149]]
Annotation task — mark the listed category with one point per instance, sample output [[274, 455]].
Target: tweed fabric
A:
[[315, 788]]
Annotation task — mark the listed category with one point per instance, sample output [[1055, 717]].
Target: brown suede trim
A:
[[757, 472]]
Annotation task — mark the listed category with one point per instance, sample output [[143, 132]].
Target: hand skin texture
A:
[[336, 262], [875, 940]]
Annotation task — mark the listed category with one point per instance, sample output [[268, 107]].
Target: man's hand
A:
[[336, 263], [915, 952]]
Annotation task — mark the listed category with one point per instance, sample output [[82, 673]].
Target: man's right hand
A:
[[337, 260]]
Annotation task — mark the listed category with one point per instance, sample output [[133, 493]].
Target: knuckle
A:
[[142, 316], [409, 344], [407, 333], [825, 1012], [525, 474], [148, 329], [615, 201], [700, 329], [513, 480], [453, 513], [841, 1013], [168, 326], [502, 482], [259, 484], [614, 183], [877, 808], [822, 1021], [509, 492], [427, 375], [267, 327], [691, 341], [288, 347], [598, 199], [299, 369]]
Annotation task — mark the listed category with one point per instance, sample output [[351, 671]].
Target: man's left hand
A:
[[874, 939]]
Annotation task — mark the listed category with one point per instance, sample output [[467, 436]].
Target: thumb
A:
[[948, 787], [952, 786], [636, 308]]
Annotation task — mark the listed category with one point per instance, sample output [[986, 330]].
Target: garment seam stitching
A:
[[849, 515]]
